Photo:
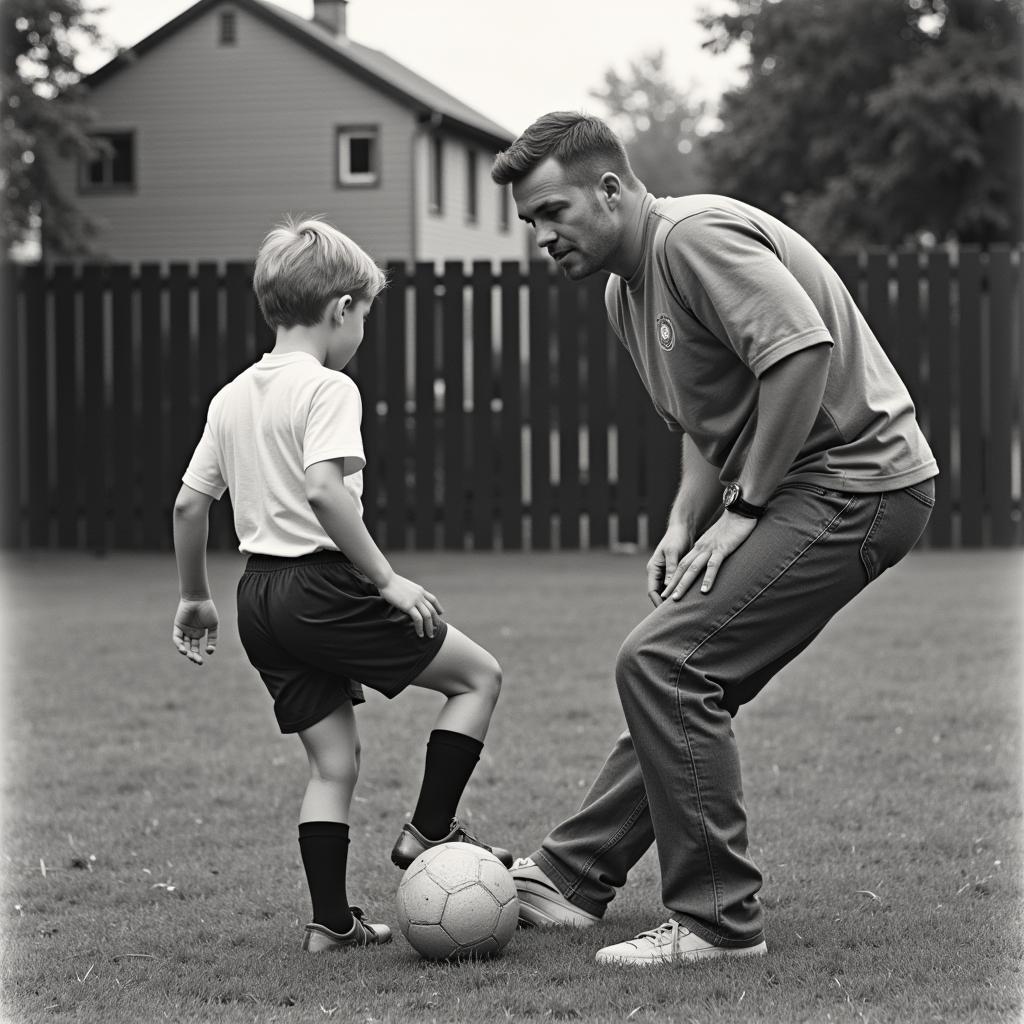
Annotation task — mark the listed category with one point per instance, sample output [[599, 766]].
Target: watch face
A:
[[732, 492]]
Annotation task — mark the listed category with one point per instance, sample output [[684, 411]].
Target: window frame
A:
[[86, 186], [435, 194], [227, 18], [472, 186], [504, 209], [345, 177]]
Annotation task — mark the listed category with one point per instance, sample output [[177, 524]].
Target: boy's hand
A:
[[192, 621], [420, 605]]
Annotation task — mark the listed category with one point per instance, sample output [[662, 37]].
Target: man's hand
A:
[[662, 564], [706, 556], [420, 605], [193, 620]]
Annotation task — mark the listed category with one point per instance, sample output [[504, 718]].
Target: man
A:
[[804, 476]]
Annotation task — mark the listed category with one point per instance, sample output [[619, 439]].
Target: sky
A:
[[547, 57]]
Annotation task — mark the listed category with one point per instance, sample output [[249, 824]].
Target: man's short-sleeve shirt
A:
[[724, 292], [263, 431]]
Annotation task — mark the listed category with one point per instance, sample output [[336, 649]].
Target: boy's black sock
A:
[[324, 847], [451, 758]]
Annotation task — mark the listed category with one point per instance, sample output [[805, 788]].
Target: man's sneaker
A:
[[541, 902], [411, 843], [320, 939], [669, 943]]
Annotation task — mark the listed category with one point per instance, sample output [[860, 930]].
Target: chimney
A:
[[330, 15]]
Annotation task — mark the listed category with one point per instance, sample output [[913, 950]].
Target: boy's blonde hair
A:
[[302, 265]]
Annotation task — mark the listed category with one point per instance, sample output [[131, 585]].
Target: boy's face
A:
[[347, 331]]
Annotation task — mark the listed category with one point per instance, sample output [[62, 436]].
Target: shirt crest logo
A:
[[666, 333]]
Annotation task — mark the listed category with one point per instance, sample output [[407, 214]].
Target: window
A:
[[114, 168], [436, 174], [471, 200], [228, 28], [358, 156], [504, 216]]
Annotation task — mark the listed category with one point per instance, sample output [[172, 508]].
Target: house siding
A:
[[231, 138], [450, 234]]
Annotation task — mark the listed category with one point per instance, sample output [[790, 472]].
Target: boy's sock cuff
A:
[[455, 740], [315, 829]]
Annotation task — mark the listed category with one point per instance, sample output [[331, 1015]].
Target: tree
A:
[[43, 116], [658, 124], [875, 121]]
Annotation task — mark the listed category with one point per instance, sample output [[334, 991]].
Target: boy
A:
[[320, 610]]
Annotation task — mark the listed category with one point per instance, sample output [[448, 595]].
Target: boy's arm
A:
[[336, 508], [196, 615]]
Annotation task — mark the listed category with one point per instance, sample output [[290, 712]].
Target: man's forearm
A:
[[789, 400], [699, 493]]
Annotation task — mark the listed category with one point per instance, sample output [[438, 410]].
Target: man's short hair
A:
[[302, 265], [584, 145]]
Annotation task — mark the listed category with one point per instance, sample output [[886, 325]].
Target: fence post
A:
[[394, 390], [1001, 390], [540, 406], [511, 412], [969, 347], [10, 461]]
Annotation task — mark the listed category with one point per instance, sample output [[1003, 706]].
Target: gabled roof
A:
[[427, 101]]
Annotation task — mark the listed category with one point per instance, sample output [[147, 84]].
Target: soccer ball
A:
[[457, 900]]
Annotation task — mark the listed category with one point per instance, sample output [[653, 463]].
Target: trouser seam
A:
[[624, 828], [680, 665], [879, 511]]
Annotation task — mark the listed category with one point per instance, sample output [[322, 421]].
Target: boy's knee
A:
[[485, 678], [340, 766]]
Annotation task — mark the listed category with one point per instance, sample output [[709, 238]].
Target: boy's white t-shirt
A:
[[263, 430]]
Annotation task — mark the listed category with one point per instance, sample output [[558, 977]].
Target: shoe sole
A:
[[537, 909], [711, 953]]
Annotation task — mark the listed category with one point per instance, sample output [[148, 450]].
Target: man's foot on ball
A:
[[670, 943], [411, 843], [541, 902], [320, 939]]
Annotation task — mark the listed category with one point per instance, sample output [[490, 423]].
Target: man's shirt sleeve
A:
[[731, 278]]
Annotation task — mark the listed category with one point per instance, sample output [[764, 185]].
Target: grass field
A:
[[150, 864]]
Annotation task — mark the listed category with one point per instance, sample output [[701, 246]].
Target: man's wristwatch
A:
[[732, 500]]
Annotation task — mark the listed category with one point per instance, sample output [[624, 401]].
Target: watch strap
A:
[[745, 509]]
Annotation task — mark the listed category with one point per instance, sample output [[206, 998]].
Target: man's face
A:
[[573, 223]]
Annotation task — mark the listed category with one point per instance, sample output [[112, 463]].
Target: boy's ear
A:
[[340, 306]]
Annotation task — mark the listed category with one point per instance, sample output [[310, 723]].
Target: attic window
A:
[[228, 28], [358, 157], [112, 170]]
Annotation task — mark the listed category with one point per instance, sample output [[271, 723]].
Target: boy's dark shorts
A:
[[315, 628]]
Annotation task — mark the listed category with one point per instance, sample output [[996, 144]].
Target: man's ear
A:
[[611, 189], [339, 308]]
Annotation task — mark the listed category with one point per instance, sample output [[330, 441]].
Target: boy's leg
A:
[[332, 747], [470, 680]]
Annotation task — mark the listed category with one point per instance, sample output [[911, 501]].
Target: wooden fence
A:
[[499, 412]]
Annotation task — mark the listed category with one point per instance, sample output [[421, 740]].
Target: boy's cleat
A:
[[411, 843], [670, 943], [541, 902], [320, 939]]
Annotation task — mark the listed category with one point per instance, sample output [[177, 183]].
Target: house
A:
[[237, 112]]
